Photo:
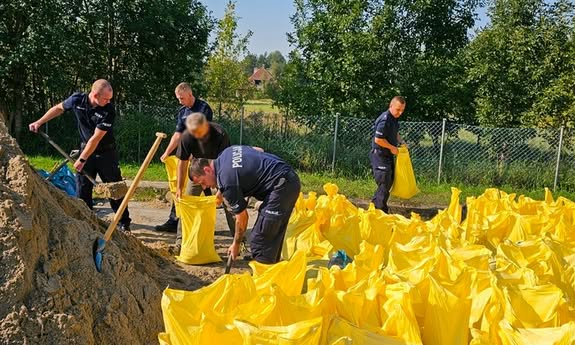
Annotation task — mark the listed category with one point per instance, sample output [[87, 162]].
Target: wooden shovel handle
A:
[[133, 186]]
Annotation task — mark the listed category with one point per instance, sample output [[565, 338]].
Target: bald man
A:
[[95, 116]]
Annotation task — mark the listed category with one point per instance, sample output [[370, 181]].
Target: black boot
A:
[[169, 226]]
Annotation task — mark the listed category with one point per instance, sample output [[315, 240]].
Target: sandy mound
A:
[[50, 291]]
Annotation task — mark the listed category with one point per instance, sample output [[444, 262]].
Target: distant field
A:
[[260, 105]]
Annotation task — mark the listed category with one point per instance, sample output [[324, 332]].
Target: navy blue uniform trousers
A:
[[267, 236], [383, 168], [106, 165]]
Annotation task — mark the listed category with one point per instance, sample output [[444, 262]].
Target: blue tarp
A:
[[64, 179]]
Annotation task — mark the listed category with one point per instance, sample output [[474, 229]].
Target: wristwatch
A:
[[82, 160]]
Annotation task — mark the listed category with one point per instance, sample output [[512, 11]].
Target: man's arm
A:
[[386, 145], [182, 176], [241, 227], [90, 148], [53, 112], [174, 142]]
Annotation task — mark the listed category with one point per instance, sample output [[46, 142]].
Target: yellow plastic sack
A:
[[267, 275], [448, 311], [189, 316], [404, 183], [198, 221], [307, 332], [301, 219], [341, 332], [171, 164]]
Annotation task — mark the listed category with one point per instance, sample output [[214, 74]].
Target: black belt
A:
[[101, 148]]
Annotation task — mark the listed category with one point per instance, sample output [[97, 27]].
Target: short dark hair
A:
[[399, 99], [197, 167]]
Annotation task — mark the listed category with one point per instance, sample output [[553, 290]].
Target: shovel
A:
[[228, 265], [100, 243], [112, 190]]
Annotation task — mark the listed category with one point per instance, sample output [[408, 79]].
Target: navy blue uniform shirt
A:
[[242, 171], [89, 118], [386, 127], [199, 106]]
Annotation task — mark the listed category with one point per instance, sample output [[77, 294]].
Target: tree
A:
[[49, 49], [225, 75], [522, 64], [250, 63], [352, 56]]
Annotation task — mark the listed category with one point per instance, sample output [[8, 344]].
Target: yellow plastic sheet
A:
[[503, 276], [404, 183], [198, 221], [171, 164]]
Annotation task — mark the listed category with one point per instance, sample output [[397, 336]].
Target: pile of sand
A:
[[50, 291]]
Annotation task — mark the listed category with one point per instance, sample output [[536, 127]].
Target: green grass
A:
[[155, 172], [260, 105], [432, 194]]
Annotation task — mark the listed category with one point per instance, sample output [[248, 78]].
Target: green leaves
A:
[[225, 75], [144, 47], [353, 56]]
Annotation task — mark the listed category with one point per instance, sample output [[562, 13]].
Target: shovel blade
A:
[[98, 253]]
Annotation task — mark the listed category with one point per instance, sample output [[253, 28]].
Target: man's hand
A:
[[34, 126], [178, 194], [163, 157], [394, 150], [234, 250], [79, 165], [219, 198]]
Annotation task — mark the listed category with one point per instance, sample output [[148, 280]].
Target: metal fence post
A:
[[334, 142], [242, 125], [441, 151], [139, 130], [558, 159]]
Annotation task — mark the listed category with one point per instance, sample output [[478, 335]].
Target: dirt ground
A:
[[145, 215]]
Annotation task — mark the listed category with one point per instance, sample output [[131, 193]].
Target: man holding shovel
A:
[[95, 116]]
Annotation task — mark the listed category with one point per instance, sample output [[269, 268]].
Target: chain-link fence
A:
[[440, 151]]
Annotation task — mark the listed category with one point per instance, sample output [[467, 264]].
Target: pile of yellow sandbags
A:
[[504, 275]]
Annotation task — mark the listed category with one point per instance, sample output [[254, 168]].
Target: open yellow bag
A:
[[171, 164], [404, 183], [198, 220]]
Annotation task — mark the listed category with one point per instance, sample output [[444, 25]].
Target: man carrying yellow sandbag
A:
[[202, 139], [243, 171], [384, 148]]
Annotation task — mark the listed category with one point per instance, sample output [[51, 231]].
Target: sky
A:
[[269, 20]]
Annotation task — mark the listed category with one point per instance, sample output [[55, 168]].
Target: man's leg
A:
[[193, 190], [171, 224], [109, 171], [267, 236], [383, 173], [83, 185]]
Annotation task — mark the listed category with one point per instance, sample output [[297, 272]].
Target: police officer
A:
[[242, 171], [384, 148], [202, 139], [190, 104], [95, 116]]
